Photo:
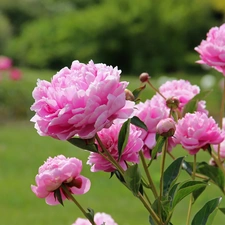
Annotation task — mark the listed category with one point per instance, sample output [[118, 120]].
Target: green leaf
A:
[[132, 177], [158, 147], [87, 144], [171, 174], [214, 173], [123, 137], [203, 214], [138, 123], [197, 193], [191, 106], [137, 92], [172, 192], [222, 210], [185, 189]]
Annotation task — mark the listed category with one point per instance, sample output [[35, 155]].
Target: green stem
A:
[[156, 90], [218, 162], [150, 210], [109, 156], [191, 198], [221, 114], [164, 151], [145, 166], [65, 189]]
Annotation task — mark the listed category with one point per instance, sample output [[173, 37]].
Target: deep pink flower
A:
[[222, 144], [196, 131], [109, 138], [5, 63], [80, 101], [212, 50], [57, 171], [99, 219], [182, 90], [151, 115], [15, 74]]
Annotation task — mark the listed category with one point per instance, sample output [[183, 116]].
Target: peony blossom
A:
[[222, 144], [166, 127], [212, 50], [57, 171], [80, 101], [5, 63], [151, 115], [196, 131], [15, 74], [182, 90], [99, 219], [109, 138]]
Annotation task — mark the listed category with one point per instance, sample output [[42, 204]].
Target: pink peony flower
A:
[[15, 74], [166, 127], [182, 90], [212, 50], [151, 115], [109, 138], [80, 101], [222, 144], [5, 63], [196, 131], [99, 219], [57, 171]]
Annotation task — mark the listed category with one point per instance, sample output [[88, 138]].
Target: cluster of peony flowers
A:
[[6, 66], [89, 102]]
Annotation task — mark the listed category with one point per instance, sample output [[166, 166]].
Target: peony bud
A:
[[172, 103], [129, 95], [166, 127], [144, 77]]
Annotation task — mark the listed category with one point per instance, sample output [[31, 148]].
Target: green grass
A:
[[22, 151]]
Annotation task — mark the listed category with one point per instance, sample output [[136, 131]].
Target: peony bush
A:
[[90, 107]]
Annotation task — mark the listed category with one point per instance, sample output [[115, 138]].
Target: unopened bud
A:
[[129, 95], [166, 127], [172, 103], [144, 77]]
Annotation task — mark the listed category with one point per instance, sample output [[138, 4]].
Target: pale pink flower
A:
[[196, 131], [57, 171], [15, 74], [99, 219], [80, 101], [212, 50], [166, 127], [5, 63], [222, 144], [182, 90], [109, 138], [151, 115]]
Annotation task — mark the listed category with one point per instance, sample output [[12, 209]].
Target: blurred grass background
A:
[[41, 37]]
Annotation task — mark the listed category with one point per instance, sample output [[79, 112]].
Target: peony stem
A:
[[65, 189], [148, 175], [156, 90], [109, 156], [221, 115], [150, 210], [191, 198]]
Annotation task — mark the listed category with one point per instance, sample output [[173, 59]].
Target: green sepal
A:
[[90, 215], [86, 144], [58, 196]]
